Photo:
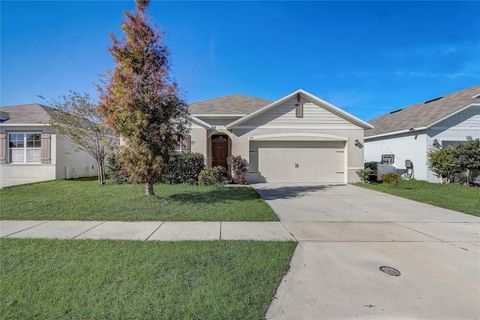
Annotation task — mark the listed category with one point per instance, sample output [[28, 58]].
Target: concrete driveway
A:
[[346, 233]]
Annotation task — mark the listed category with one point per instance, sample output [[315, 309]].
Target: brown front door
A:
[[219, 151]]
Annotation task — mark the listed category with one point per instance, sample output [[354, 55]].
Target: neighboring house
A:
[[409, 133], [30, 151], [298, 138]]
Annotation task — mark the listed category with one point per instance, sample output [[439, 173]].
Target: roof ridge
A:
[[229, 95], [229, 104]]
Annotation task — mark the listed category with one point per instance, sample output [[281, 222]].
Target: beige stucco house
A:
[[31, 151], [297, 138]]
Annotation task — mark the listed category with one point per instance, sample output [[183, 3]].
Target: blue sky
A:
[[365, 57]]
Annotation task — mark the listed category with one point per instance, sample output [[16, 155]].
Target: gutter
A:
[[24, 125], [200, 122], [411, 130], [214, 116]]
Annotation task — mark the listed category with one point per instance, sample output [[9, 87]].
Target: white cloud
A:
[[428, 74], [429, 50], [463, 62]]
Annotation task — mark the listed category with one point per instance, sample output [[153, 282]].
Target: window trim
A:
[[25, 148]]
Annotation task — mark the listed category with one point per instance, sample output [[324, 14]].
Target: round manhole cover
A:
[[390, 271]]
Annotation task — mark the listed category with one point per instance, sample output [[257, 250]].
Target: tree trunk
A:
[[149, 189], [100, 172], [103, 174]]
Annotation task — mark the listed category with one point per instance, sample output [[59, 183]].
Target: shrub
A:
[[392, 178], [365, 174], [184, 168], [456, 164], [239, 169], [476, 178], [460, 177], [373, 165], [468, 154], [372, 172], [214, 176], [443, 162], [116, 172]]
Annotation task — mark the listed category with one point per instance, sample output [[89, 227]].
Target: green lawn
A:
[[86, 200], [450, 196], [97, 279]]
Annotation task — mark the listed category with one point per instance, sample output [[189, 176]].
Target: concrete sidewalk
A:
[[145, 230]]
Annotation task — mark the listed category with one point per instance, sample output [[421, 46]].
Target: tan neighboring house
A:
[[408, 133], [297, 138], [30, 151]]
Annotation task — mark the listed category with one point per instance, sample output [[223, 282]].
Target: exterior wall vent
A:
[[4, 116], [432, 100], [298, 107], [395, 111]]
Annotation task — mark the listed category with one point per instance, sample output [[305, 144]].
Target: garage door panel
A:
[[288, 161]]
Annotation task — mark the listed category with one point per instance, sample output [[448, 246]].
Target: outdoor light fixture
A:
[[436, 143], [358, 143]]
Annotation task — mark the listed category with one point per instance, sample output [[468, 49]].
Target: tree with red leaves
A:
[[141, 101]]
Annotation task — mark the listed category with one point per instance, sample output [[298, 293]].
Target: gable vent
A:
[[298, 107], [428, 101]]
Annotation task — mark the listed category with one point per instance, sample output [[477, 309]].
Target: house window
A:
[[452, 143], [177, 147], [388, 158], [24, 147]]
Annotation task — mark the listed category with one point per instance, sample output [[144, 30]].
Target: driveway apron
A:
[[346, 234]]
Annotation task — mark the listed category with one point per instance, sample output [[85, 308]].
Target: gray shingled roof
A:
[[232, 104], [423, 114], [26, 114]]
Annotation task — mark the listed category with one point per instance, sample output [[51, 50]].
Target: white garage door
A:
[[297, 161]]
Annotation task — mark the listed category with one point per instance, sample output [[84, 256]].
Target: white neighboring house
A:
[[408, 133], [297, 138], [31, 151]]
